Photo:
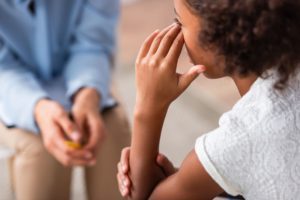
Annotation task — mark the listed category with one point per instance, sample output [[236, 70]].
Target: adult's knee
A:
[[30, 146]]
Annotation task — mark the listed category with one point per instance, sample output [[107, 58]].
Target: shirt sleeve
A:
[[211, 168], [19, 91], [225, 153], [93, 48]]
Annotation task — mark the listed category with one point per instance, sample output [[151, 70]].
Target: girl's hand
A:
[[123, 178], [157, 82]]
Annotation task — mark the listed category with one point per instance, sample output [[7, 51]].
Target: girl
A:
[[255, 151]]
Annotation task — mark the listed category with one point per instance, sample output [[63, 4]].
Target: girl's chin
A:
[[210, 75]]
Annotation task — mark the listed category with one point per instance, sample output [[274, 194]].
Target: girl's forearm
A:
[[145, 174]]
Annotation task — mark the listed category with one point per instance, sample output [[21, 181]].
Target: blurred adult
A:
[[56, 105]]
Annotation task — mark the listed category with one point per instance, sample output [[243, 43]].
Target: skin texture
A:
[[57, 127], [191, 26], [156, 66], [141, 173], [124, 181]]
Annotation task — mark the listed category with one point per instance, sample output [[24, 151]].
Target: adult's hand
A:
[[86, 114], [56, 127]]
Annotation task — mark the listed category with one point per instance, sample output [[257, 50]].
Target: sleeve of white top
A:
[[210, 167]]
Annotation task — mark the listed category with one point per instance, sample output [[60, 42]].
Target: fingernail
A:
[[126, 183], [75, 136], [123, 191], [124, 168]]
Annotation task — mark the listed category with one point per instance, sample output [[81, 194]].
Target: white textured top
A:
[[255, 151]]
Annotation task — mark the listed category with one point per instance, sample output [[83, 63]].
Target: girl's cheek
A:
[[191, 58]]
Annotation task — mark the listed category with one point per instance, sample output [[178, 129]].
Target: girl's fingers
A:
[[125, 159], [122, 188], [186, 79], [165, 164], [176, 48], [146, 45], [125, 192], [120, 184], [125, 181], [167, 41], [156, 42], [120, 170]]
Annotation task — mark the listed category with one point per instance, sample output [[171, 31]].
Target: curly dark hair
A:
[[252, 35]]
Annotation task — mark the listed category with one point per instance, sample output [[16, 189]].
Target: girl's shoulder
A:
[[255, 140], [264, 100]]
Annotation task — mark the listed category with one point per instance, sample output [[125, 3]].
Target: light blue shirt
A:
[[52, 53]]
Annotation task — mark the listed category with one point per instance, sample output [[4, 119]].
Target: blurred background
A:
[[196, 112]]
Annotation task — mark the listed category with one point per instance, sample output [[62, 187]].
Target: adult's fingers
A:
[[156, 42], [60, 143], [66, 124], [68, 160], [79, 121], [96, 132], [53, 136], [82, 154], [61, 157], [68, 156], [168, 40]]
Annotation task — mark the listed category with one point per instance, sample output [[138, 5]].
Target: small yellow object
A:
[[73, 145]]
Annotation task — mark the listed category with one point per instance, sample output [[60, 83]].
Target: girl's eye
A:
[[177, 21]]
